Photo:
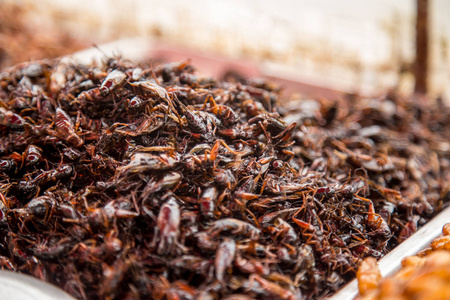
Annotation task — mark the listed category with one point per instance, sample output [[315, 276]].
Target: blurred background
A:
[[320, 47]]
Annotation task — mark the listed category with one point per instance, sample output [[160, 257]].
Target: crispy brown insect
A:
[[224, 257], [65, 128], [10, 119], [32, 155], [167, 226], [114, 80], [207, 202], [234, 226]]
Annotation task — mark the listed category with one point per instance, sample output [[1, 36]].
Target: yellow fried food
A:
[[425, 276]]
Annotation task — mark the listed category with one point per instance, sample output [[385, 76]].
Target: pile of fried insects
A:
[[134, 181]]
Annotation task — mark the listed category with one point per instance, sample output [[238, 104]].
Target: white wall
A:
[[347, 44]]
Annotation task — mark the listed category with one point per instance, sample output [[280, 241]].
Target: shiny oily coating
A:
[[130, 181]]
